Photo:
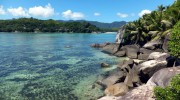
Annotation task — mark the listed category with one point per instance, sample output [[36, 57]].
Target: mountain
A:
[[103, 25]]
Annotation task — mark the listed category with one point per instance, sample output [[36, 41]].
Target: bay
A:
[[52, 66]]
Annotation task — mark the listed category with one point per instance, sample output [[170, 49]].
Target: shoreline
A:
[[139, 68]]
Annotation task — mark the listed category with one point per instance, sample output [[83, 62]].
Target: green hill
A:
[[101, 25], [36, 25]]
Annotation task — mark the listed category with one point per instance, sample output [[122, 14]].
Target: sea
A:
[[52, 66]]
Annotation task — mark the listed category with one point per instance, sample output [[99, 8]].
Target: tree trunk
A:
[[174, 65]]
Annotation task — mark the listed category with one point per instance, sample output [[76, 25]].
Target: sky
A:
[[93, 10]]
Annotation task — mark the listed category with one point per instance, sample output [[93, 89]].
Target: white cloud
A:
[[122, 15], [40, 11], [72, 15], [97, 14], [2, 11], [143, 12], [18, 12]]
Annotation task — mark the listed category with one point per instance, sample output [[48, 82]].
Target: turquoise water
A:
[[51, 66]]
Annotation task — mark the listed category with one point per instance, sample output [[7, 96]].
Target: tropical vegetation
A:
[[171, 92], [174, 46], [153, 26], [35, 25]]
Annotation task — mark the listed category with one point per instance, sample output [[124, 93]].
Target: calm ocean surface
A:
[[51, 66]]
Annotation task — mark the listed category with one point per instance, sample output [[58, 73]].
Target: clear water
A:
[[51, 66]]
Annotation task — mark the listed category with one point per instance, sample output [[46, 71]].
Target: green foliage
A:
[[35, 25], [174, 46], [161, 21], [171, 92]]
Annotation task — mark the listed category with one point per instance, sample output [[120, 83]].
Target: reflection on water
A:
[[51, 66]]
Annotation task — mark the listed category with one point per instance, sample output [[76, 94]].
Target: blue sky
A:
[[96, 10]]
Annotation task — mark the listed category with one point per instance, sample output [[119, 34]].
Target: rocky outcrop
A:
[[144, 92], [163, 77], [120, 54], [110, 48], [166, 40], [114, 77], [131, 51], [156, 55], [153, 44], [143, 56], [118, 89], [145, 51], [151, 66], [109, 98], [126, 64], [132, 78], [120, 34]]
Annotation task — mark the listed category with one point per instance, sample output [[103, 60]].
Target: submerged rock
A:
[[105, 65], [97, 45]]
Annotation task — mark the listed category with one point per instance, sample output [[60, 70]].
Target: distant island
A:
[[36, 25], [113, 26]]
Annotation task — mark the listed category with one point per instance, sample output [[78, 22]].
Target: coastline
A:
[[141, 64]]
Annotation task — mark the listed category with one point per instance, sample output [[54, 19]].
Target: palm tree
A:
[[138, 35], [161, 8]]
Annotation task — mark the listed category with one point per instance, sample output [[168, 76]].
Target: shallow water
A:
[[51, 66]]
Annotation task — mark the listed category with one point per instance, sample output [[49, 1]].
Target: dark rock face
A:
[[110, 48], [163, 77], [132, 78], [145, 51], [131, 51], [126, 64]]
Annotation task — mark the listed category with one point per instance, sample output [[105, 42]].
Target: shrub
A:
[[174, 44], [171, 92]]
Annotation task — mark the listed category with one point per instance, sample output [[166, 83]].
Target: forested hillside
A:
[[35, 25]]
